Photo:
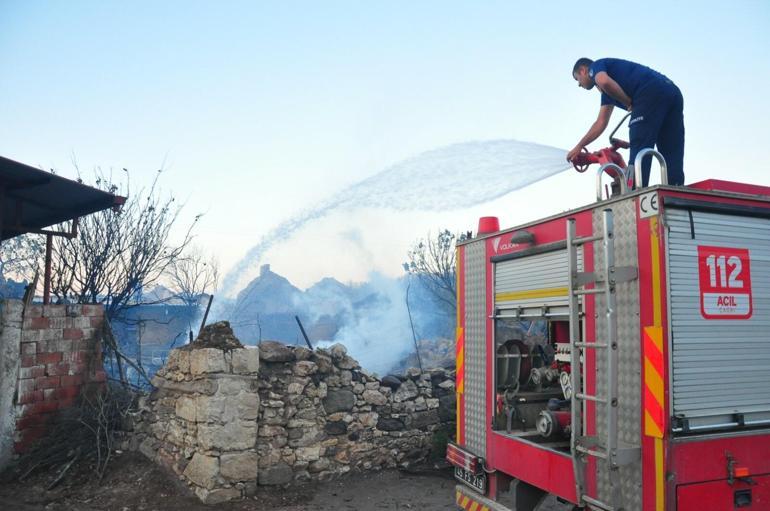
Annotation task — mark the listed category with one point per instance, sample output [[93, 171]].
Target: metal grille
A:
[[475, 348], [720, 367], [629, 353]]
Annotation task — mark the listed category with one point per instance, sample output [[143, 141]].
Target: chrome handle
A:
[[620, 177], [638, 166]]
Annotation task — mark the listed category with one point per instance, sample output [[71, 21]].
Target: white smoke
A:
[[448, 178], [379, 336]]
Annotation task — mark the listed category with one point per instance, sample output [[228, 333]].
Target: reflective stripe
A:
[[531, 294], [654, 360], [654, 404], [468, 503]]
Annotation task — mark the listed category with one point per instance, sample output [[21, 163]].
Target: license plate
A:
[[477, 482]]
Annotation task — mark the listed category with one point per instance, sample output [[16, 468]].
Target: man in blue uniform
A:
[[655, 104]]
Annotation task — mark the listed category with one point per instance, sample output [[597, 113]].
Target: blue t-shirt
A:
[[631, 77]]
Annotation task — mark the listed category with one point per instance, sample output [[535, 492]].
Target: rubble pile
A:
[[227, 419], [438, 352]]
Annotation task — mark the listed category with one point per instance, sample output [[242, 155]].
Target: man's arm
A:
[[596, 129], [612, 89]]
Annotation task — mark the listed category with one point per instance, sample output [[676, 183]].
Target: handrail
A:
[[620, 177], [638, 166]]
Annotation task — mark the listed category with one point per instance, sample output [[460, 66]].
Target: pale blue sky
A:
[[259, 109]]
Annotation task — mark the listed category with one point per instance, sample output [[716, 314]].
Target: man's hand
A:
[[574, 152]]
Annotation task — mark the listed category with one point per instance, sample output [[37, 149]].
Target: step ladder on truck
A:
[[617, 356]]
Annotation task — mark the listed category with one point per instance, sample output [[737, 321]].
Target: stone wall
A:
[[201, 421], [229, 420], [49, 353], [321, 415]]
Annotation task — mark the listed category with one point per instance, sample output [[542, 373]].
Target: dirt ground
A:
[[135, 484]]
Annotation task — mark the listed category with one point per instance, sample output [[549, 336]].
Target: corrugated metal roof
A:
[[33, 199]]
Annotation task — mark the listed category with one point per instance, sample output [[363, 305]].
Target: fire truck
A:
[[617, 355]]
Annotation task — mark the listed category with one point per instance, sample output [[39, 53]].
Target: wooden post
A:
[[47, 276]]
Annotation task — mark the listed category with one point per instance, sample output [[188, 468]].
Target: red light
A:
[[741, 472], [463, 459]]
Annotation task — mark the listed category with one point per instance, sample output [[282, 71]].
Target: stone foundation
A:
[[228, 421]]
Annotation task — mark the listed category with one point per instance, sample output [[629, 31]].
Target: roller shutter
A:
[[720, 365], [534, 284]]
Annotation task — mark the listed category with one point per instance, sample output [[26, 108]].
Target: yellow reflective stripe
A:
[[660, 503], [532, 293], [655, 253], [653, 380], [651, 427]]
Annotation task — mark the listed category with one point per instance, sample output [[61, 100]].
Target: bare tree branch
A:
[[433, 260]]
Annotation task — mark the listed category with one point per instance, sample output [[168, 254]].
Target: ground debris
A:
[[216, 335]]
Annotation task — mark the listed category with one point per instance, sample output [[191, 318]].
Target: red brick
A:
[[72, 333], [93, 310], [83, 345], [33, 311], [51, 334], [30, 421], [31, 372], [79, 357], [27, 385], [54, 311], [29, 361], [50, 394], [36, 323], [97, 321], [57, 346], [78, 367], [26, 398], [70, 381], [28, 348], [48, 358], [67, 392], [59, 323], [47, 382], [40, 407], [30, 335], [59, 369]]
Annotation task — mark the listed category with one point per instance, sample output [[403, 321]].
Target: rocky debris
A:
[[228, 420], [274, 351], [433, 353], [391, 381], [217, 335]]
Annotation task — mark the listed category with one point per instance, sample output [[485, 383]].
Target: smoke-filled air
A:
[[448, 178], [372, 319]]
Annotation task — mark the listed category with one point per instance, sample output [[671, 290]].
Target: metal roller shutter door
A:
[[532, 282], [720, 368]]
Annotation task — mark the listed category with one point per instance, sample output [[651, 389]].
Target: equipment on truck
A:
[[618, 355]]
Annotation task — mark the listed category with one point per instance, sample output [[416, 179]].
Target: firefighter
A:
[[654, 101]]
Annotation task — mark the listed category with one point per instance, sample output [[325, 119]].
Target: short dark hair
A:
[[583, 61]]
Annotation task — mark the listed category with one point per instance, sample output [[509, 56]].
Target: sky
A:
[[256, 111]]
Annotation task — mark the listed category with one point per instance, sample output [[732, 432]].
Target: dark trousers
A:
[[658, 120]]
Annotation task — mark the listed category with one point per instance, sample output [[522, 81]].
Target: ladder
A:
[[610, 453]]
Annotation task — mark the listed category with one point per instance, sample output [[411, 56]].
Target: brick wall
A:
[[60, 353]]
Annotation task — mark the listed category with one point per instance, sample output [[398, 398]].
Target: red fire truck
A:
[[617, 356]]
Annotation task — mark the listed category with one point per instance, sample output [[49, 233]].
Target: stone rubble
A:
[[229, 420]]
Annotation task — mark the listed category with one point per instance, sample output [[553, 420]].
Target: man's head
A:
[[581, 75]]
